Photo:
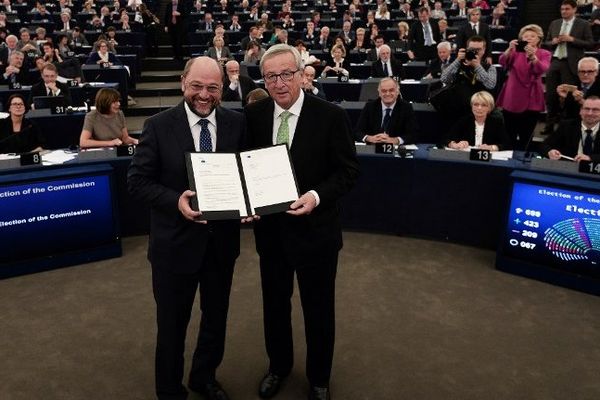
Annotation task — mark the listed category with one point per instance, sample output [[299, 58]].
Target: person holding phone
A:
[[522, 96], [571, 97]]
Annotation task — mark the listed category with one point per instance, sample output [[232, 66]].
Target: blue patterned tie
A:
[[386, 119], [205, 140]]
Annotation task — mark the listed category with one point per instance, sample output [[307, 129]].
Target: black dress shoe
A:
[[212, 391], [269, 386], [319, 393]]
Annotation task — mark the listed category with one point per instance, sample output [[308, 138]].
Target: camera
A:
[[521, 46], [470, 54]]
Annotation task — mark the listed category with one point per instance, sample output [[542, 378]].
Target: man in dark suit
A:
[[387, 65], [306, 239], [324, 41], [186, 253], [388, 119], [475, 27], [442, 61], [572, 96], [577, 138], [50, 86], [567, 38], [15, 74], [176, 13], [235, 86], [11, 45], [423, 37], [253, 35], [310, 85]]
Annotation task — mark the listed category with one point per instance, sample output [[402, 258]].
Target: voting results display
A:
[[553, 228], [45, 216]]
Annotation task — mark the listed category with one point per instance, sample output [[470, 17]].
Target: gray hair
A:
[[281, 49], [445, 45], [588, 59]]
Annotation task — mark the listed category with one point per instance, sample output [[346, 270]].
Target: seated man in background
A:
[[388, 119], [577, 138], [386, 65], [15, 74], [235, 86], [571, 96], [310, 85], [50, 86], [437, 66]]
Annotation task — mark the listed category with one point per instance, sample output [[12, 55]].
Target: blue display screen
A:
[[554, 227], [55, 216]]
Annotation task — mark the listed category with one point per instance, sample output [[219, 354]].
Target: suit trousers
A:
[[316, 282], [174, 295], [558, 73], [177, 33]]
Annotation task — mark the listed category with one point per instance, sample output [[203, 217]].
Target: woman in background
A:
[[105, 126], [17, 133]]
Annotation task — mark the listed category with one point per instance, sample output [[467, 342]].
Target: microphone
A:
[[527, 155]]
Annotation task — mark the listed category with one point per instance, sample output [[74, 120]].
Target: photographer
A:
[[467, 75], [522, 96]]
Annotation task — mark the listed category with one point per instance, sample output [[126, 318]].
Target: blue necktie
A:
[[385, 69], [386, 119], [588, 143], [205, 140]]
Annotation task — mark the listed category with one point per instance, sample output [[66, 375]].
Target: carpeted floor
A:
[[416, 320]]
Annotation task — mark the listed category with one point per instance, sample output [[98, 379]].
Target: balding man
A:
[[310, 85], [235, 86], [386, 65], [187, 254], [389, 119]]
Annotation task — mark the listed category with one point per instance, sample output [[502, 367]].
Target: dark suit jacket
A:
[[466, 31], [494, 132], [566, 140], [184, 9], [403, 122], [582, 33], [377, 69], [22, 77], [324, 160], [26, 140], [158, 176], [246, 84], [416, 37], [345, 65], [570, 107], [39, 89], [435, 68], [320, 91], [595, 28]]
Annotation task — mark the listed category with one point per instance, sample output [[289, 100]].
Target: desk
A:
[[118, 74], [415, 91], [78, 94], [60, 131]]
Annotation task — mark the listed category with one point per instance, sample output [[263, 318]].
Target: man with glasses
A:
[[305, 240], [185, 252], [572, 96], [50, 86], [577, 139]]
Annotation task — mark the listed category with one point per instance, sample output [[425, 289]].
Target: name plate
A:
[[480, 155], [589, 167], [105, 65], [58, 110], [342, 78], [14, 85], [384, 148], [127, 150], [72, 83], [30, 158]]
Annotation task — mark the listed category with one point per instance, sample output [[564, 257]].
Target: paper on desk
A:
[[502, 155], [57, 157], [8, 156], [411, 147]]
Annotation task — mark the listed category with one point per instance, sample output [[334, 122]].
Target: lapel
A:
[[223, 131], [179, 125], [378, 114], [304, 128]]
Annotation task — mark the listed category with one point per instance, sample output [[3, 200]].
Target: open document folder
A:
[[237, 185]]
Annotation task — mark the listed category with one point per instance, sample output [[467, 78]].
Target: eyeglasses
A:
[[17, 104], [286, 76], [212, 89], [589, 109], [587, 71]]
